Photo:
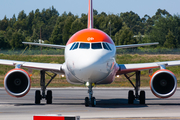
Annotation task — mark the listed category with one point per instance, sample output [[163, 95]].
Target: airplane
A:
[[90, 60]]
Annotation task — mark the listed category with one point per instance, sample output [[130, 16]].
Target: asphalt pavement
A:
[[112, 103]]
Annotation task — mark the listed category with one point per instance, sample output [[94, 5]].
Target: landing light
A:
[[87, 84], [62, 75], [117, 76]]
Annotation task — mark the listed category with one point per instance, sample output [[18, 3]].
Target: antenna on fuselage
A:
[[90, 15]]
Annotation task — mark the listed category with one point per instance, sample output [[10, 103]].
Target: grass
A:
[[119, 81]]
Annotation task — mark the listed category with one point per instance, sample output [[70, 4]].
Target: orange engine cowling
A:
[[163, 83], [17, 82]]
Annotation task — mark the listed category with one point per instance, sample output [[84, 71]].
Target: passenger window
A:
[[84, 46], [96, 46], [108, 46], [76, 46], [105, 46], [72, 46]]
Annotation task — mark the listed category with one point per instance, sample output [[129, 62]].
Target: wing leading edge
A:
[[34, 65], [127, 68]]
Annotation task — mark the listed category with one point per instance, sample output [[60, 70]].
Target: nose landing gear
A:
[[90, 101]]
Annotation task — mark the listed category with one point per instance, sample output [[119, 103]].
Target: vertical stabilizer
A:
[[90, 15]]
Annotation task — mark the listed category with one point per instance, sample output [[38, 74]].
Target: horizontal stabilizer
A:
[[45, 45], [135, 45]]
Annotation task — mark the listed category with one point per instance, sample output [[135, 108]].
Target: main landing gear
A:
[[131, 96], [48, 96], [90, 101]]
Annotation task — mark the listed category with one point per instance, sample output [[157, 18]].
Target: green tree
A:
[[17, 39], [67, 27], [132, 20], [95, 12], [162, 27], [161, 13], [147, 24], [3, 41], [124, 36], [84, 20], [56, 36], [12, 21], [20, 24], [22, 15], [171, 41], [76, 26], [4, 24], [57, 33], [35, 35], [30, 19]]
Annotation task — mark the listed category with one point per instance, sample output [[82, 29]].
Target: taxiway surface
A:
[[111, 103]]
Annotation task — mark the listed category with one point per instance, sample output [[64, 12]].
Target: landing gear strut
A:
[[90, 101], [131, 96], [48, 96]]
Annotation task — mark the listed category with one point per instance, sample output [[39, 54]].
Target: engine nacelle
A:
[[163, 83], [17, 82]]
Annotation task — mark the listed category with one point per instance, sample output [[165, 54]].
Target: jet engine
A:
[[163, 83], [17, 82]]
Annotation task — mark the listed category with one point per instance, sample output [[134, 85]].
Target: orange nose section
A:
[[90, 35]]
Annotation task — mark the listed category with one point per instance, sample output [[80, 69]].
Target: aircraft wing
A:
[[45, 45], [135, 45], [33, 65], [127, 68]]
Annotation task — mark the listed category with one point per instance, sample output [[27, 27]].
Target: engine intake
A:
[[163, 83], [17, 82]]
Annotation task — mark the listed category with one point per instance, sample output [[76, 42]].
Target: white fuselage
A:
[[90, 65]]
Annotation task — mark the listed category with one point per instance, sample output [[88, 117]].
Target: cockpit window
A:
[[84, 46], [105, 46], [76, 46], [96, 46], [93, 46], [72, 46], [108, 46]]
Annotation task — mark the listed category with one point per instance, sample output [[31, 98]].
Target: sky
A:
[[77, 7]]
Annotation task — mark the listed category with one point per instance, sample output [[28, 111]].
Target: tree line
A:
[[124, 28]]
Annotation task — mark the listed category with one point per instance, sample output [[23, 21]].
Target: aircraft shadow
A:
[[117, 103], [103, 103]]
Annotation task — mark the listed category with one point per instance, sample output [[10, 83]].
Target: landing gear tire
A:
[[37, 97], [49, 97], [93, 102], [86, 101], [131, 97], [142, 97]]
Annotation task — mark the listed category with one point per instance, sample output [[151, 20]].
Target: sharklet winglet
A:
[[90, 15]]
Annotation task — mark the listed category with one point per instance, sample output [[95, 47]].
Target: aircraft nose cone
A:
[[90, 69]]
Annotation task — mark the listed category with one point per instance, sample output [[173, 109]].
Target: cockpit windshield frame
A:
[[94, 46]]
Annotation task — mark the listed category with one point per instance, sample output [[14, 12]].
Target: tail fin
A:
[[90, 15]]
